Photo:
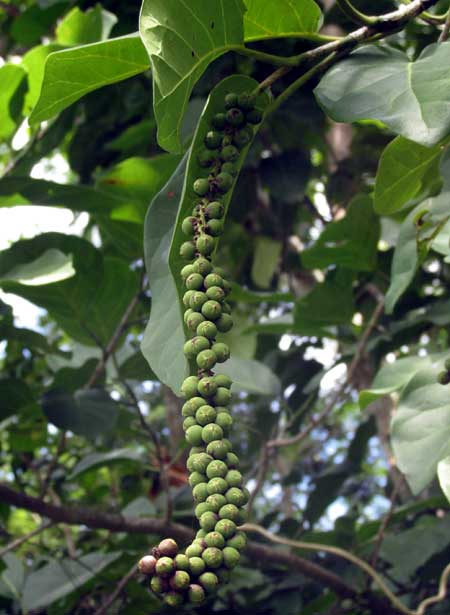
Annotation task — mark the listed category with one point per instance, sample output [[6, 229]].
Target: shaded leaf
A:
[[96, 460], [444, 476], [83, 27], [11, 78], [286, 175], [265, 260], [15, 395], [251, 376], [280, 19], [52, 266]]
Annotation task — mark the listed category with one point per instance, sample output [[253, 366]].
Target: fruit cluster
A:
[[444, 376], [216, 482]]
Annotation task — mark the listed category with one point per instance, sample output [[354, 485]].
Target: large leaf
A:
[[34, 63], [182, 38], [405, 171], [96, 460], [280, 19], [14, 396], [350, 242], [251, 376], [11, 78], [57, 580], [411, 98], [52, 266], [165, 336], [72, 73], [265, 261], [421, 427], [82, 28], [444, 476]]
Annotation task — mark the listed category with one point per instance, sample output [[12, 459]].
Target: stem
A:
[[19, 541], [311, 546], [116, 593], [446, 30], [352, 13], [261, 56]]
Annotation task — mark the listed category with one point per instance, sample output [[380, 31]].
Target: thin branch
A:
[[19, 541], [352, 13], [446, 30], [384, 525], [260, 478], [116, 593], [311, 546], [52, 465]]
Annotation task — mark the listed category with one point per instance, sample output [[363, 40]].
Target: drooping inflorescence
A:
[[215, 479]]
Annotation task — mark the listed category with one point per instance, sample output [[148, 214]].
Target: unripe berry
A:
[[207, 385], [200, 492], [197, 565], [194, 281], [217, 485], [254, 116], [211, 309], [231, 557], [219, 121], [235, 117], [187, 270], [209, 581], [217, 469], [213, 139], [194, 435], [188, 226], [226, 527], [214, 210], [147, 564], [229, 153], [224, 323], [223, 380], [214, 227], [246, 101], [206, 359], [222, 396], [205, 415], [202, 265], [214, 539], [201, 508], [201, 186], [216, 501], [196, 478], [158, 585], [223, 182], [229, 167], [213, 557], [224, 420], [189, 387], [213, 280], [231, 100], [236, 496], [222, 353], [196, 594], [238, 541], [218, 449], [200, 462], [180, 580], [207, 329], [241, 138], [215, 293], [194, 550], [187, 250], [229, 511], [205, 244], [194, 320], [208, 521], [187, 298], [232, 461], [165, 567], [173, 599], [212, 432], [443, 378], [206, 158], [234, 478], [197, 300], [189, 422]]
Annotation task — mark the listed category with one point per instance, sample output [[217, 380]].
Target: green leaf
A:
[[182, 39], [239, 293], [11, 78], [34, 63], [444, 476], [15, 395], [265, 261], [281, 19], [56, 580], [165, 336], [350, 242], [251, 376], [406, 171], [88, 413], [51, 266], [411, 98], [72, 73], [29, 339], [420, 429], [82, 28], [96, 460], [12, 578]]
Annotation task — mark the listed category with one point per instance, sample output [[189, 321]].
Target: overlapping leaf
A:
[[281, 19]]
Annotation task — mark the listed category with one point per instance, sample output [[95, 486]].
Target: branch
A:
[[19, 541], [446, 29], [352, 13], [96, 519], [103, 610]]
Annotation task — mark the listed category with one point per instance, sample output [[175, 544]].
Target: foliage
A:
[[337, 242]]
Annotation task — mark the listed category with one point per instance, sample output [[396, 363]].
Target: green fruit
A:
[[231, 557], [246, 101], [197, 565], [202, 508], [158, 585], [219, 121], [196, 594], [226, 527], [222, 353], [238, 541], [236, 496], [214, 227], [235, 117], [214, 210], [200, 533], [223, 182], [212, 432], [173, 599], [200, 462], [226, 308], [216, 501], [194, 435], [231, 100], [227, 287], [207, 385], [213, 139], [189, 350], [222, 396], [194, 281], [196, 450], [443, 378], [207, 329], [187, 298], [186, 271], [194, 320], [217, 485], [182, 562], [211, 309], [218, 449], [189, 387], [187, 313], [194, 550], [187, 250], [189, 225], [200, 343], [209, 581], [200, 492], [197, 300], [254, 116], [196, 478], [224, 323], [229, 167], [213, 280], [213, 557], [205, 415], [201, 186], [224, 420], [232, 460], [215, 293], [229, 153], [180, 580], [234, 478], [189, 422], [206, 158], [223, 381], [205, 245], [148, 563], [208, 521], [206, 359], [217, 469], [241, 138], [214, 539], [229, 511], [165, 567], [202, 265]]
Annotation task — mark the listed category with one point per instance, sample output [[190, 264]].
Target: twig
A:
[[19, 541], [384, 525], [446, 30], [311, 546], [52, 465], [352, 13], [262, 469], [116, 593]]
